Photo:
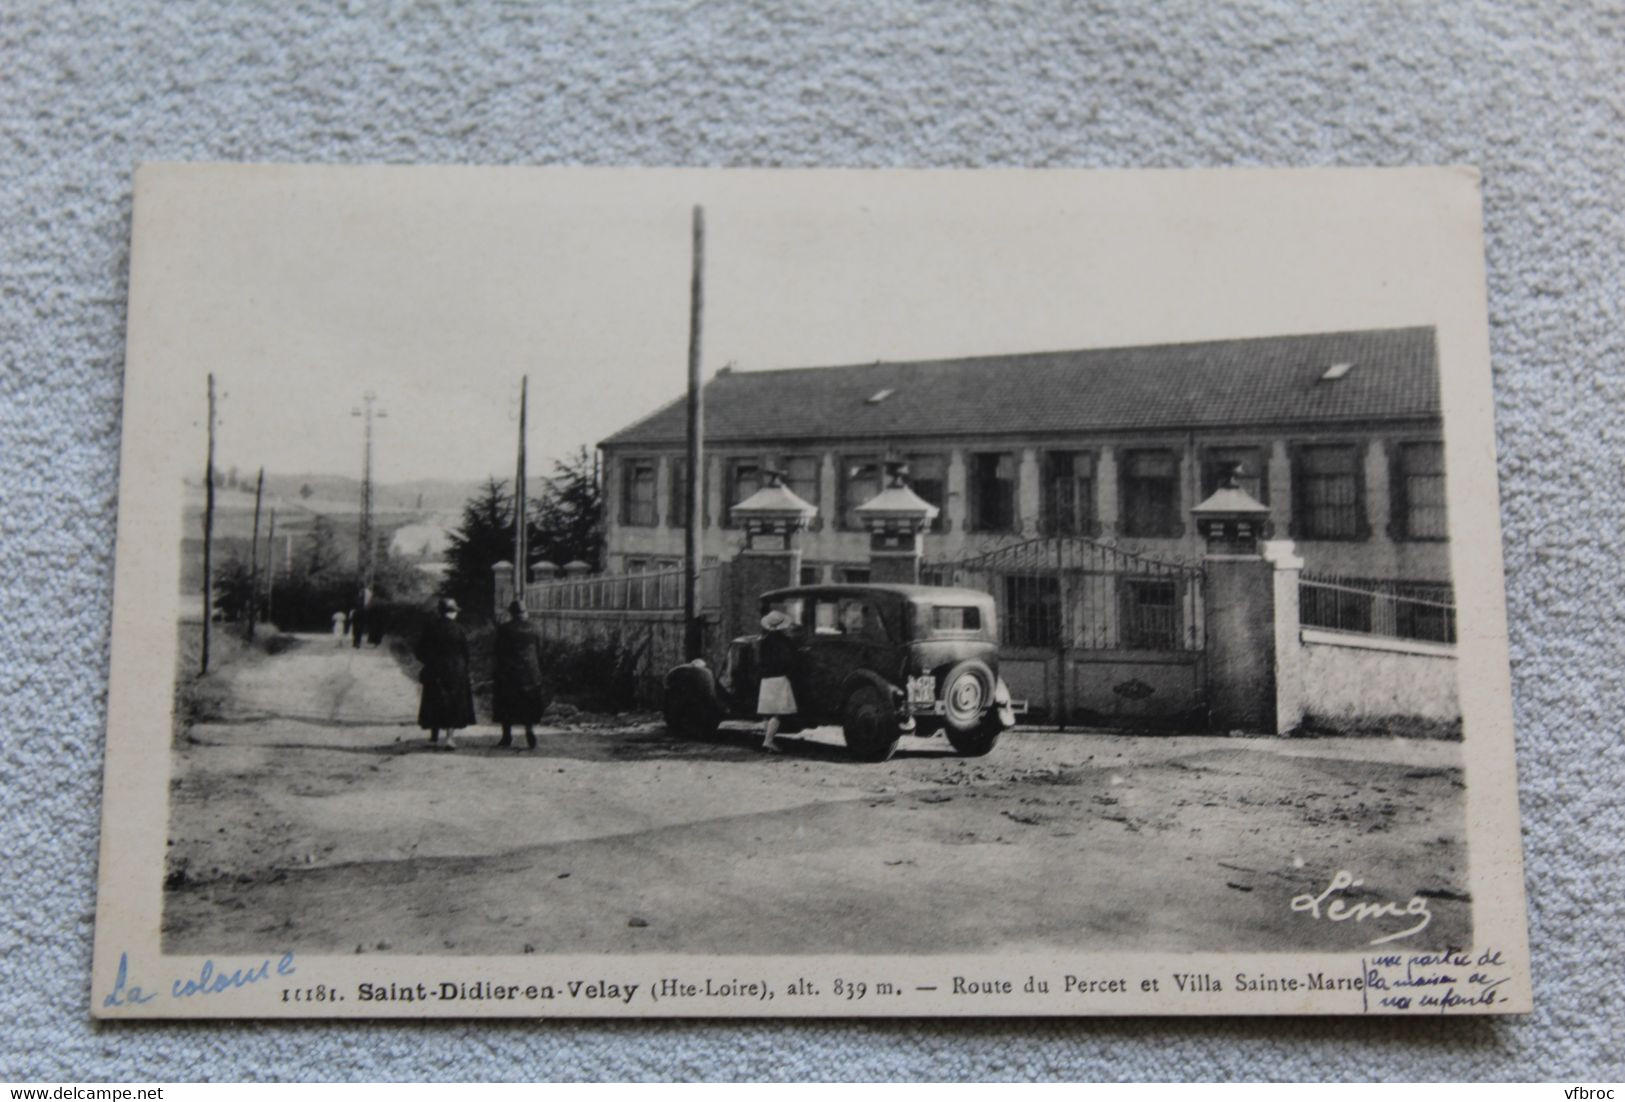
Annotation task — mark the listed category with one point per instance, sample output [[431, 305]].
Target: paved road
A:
[[313, 815]]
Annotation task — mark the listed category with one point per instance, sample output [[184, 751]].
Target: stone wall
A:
[[1359, 679]]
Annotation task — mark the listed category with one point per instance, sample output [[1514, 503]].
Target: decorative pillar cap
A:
[[774, 508], [897, 507], [1232, 520]]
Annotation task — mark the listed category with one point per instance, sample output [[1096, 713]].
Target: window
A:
[[860, 481], [1151, 494], [636, 566], [741, 478], [928, 477], [811, 574], [793, 607], [638, 492], [1067, 505], [801, 478], [852, 575], [1150, 615], [677, 505], [956, 618], [1419, 502], [850, 617], [1032, 610], [1253, 477], [992, 479], [1326, 486]]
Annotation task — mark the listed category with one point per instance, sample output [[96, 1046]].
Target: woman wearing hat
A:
[[448, 693], [775, 698]]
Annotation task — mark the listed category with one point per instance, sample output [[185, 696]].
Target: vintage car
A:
[[880, 660]]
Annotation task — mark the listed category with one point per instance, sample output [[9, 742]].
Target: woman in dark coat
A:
[[448, 694], [519, 695]]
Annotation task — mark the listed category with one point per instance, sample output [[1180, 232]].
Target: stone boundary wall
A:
[[1349, 676]]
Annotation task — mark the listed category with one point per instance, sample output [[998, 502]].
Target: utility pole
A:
[[520, 536], [208, 534], [693, 627], [270, 566], [364, 549], [254, 561]]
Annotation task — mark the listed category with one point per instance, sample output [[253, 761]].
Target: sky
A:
[[436, 289]]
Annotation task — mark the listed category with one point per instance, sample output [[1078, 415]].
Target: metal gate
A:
[[1090, 633]]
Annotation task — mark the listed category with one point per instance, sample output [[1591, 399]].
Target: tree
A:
[[484, 538], [569, 526], [233, 588], [396, 578], [569, 523], [319, 556]]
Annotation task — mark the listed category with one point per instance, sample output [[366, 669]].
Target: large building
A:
[[1340, 434]]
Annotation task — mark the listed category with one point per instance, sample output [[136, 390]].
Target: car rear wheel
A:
[[869, 725]]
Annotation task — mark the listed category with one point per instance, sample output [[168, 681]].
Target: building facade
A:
[[1340, 434]]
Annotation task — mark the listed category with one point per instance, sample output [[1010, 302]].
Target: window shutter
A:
[[1398, 506]]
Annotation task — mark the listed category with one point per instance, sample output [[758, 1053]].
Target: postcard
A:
[[740, 593]]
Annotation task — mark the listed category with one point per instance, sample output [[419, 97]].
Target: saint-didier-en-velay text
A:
[[1393, 983]]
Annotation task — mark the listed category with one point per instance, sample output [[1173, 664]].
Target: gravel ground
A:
[[311, 814]]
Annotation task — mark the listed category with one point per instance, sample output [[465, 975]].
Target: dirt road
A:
[[312, 815]]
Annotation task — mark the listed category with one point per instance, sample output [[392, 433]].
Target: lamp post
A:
[[895, 517], [1231, 520], [772, 516]]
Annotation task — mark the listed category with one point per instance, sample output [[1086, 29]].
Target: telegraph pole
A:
[[364, 550], [520, 536], [254, 561], [693, 628], [208, 534], [270, 566]]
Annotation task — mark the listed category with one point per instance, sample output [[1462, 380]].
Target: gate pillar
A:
[[1250, 598], [773, 518], [895, 518], [501, 589]]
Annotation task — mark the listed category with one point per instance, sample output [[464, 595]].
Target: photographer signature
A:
[[1341, 910]]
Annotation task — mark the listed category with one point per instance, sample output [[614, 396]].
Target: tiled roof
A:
[[1254, 381]]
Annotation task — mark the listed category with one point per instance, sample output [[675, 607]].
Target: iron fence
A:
[[1422, 611], [1070, 592], [645, 591]]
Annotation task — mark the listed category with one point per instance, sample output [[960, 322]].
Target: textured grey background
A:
[[1530, 93]]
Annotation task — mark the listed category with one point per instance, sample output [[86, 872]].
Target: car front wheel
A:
[[970, 718], [977, 743], [869, 725]]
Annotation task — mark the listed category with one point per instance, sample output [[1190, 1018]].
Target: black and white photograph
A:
[[703, 592]]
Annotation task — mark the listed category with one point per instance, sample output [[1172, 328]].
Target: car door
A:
[[845, 632]]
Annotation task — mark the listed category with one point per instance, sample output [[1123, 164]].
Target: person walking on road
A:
[[519, 694], [775, 697], [338, 628], [448, 693]]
